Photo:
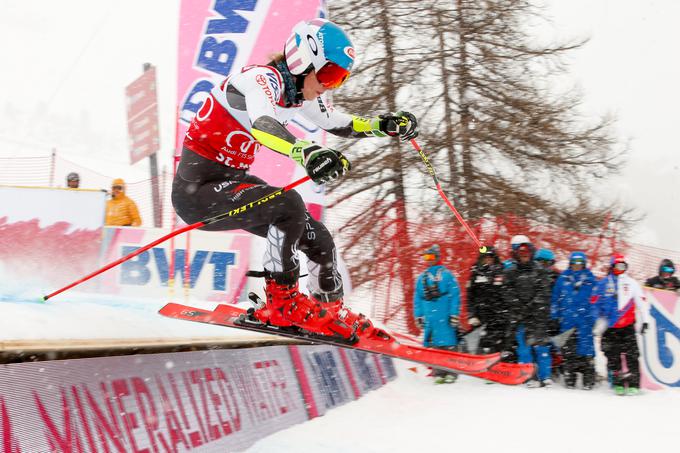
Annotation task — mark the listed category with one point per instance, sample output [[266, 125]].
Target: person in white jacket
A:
[[619, 299]]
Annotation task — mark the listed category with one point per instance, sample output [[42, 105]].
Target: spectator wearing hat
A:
[[120, 209], [515, 242], [572, 311], [618, 299], [436, 308], [546, 258], [485, 300], [73, 180], [526, 292], [665, 278]]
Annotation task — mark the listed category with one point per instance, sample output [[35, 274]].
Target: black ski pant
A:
[[203, 189], [494, 337], [574, 363], [617, 344]]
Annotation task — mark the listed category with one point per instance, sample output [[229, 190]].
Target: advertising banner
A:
[[330, 377], [210, 401], [142, 116], [660, 346], [48, 237], [216, 267]]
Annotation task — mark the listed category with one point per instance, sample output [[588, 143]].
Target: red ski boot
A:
[[360, 324], [287, 306]]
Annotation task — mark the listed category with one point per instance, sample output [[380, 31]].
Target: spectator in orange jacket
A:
[[121, 210]]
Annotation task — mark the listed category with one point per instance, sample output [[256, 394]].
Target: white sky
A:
[[65, 65]]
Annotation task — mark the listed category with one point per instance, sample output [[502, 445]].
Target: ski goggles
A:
[[578, 261], [331, 75], [117, 187], [429, 257], [620, 266], [517, 246], [667, 269]]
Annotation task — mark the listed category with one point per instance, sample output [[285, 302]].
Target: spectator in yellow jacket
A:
[[121, 210]]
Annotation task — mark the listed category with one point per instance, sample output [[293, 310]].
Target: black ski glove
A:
[[402, 124], [420, 322], [322, 164], [644, 328]]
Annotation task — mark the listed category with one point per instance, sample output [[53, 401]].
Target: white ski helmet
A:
[[322, 46], [519, 239]]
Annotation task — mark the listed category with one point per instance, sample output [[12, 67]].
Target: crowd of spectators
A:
[[531, 312]]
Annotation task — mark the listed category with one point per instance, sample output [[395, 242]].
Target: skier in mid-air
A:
[[250, 109]]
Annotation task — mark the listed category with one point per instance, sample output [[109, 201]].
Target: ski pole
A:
[[174, 233], [462, 221]]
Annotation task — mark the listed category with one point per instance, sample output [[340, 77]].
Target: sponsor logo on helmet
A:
[[349, 51], [313, 45]]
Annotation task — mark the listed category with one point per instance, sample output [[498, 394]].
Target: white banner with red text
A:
[[209, 401]]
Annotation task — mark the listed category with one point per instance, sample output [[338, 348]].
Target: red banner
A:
[[142, 113]]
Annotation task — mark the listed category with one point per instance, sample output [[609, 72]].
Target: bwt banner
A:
[[210, 401], [660, 349], [218, 37], [215, 270]]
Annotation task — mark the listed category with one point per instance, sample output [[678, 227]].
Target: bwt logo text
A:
[[139, 271]]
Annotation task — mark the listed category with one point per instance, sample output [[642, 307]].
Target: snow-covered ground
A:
[[74, 316], [411, 414]]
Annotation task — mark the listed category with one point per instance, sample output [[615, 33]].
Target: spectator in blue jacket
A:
[[436, 307], [571, 308]]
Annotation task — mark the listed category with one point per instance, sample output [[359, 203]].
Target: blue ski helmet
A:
[[578, 258], [322, 46], [432, 254], [544, 255]]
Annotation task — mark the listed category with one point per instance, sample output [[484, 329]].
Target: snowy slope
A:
[[74, 316], [408, 415], [413, 415]]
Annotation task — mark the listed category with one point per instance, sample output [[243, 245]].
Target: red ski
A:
[[385, 343], [501, 372]]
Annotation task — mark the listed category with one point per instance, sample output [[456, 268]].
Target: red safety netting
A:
[[396, 267]]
